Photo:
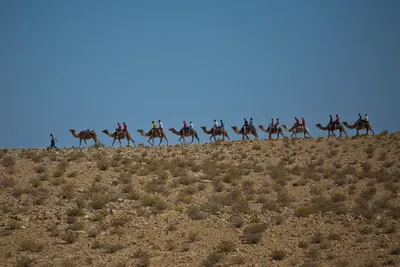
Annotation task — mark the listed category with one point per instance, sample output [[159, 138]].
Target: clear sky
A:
[[91, 64]]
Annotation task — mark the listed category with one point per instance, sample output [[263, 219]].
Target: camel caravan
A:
[[121, 133]]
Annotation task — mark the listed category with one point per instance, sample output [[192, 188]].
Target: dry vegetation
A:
[[256, 203]]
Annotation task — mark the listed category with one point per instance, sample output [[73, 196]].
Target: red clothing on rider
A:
[[303, 122], [119, 127], [125, 127], [184, 125], [297, 121], [337, 119]]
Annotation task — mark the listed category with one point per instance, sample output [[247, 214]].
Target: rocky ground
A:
[[313, 202]]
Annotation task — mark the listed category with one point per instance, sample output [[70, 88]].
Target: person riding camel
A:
[[125, 129], [297, 123], [277, 124], [119, 129], [331, 121], [184, 127], [160, 126], [271, 125], [303, 123], [251, 124], [221, 127], [191, 127], [246, 124], [337, 121], [360, 120], [154, 127], [215, 128], [366, 118]]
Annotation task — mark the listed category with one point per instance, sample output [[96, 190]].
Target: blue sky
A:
[[91, 64]]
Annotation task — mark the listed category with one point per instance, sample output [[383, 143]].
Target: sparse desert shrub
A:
[[253, 234], [143, 258], [103, 164], [193, 236], [99, 201], [120, 221], [237, 221], [333, 236], [271, 205], [370, 151], [195, 213], [256, 146], [278, 255], [226, 246], [41, 169], [7, 182], [76, 225], [366, 166], [68, 191], [69, 237], [112, 248], [157, 203], [303, 244], [24, 261], [213, 259], [8, 161], [305, 211], [93, 232], [338, 197], [368, 193], [317, 238], [75, 155]]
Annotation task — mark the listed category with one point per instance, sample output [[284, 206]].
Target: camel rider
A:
[[272, 125], [366, 118], [331, 121], [215, 126], [119, 129], [184, 127], [277, 124], [53, 141], [221, 127], [246, 124], [160, 126], [154, 127], [297, 123], [125, 128], [303, 123], [191, 127], [360, 120], [250, 124], [337, 121]]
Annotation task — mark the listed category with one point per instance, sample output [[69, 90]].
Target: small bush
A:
[[8, 161], [213, 259], [69, 237], [143, 258], [30, 245], [278, 255], [112, 248], [193, 236], [103, 164], [226, 246], [253, 234]]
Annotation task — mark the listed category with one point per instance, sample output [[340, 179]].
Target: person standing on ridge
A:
[[53, 141]]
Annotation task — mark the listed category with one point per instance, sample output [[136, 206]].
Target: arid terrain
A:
[[313, 202]]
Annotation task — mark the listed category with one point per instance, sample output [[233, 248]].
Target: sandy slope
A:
[[304, 202]]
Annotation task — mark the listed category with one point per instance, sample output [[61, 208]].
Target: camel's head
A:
[[105, 131], [260, 126], [170, 129], [234, 127], [140, 130], [203, 127], [318, 125], [71, 130]]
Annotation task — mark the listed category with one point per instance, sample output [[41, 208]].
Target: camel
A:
[[252, 131], [277, 131], [360, 125], [217, 132], [296, 130], [120, 136], [153, 133], [330, 130], [188, 133], [83, 135]]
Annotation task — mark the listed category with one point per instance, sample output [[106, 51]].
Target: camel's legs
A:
[[210, 138], [85, 142], [180, 140], [80, 142], [113, 142], [160, 141], [150, 142], [120, 144]]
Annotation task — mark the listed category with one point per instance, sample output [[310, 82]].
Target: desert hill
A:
[[313, 202]]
